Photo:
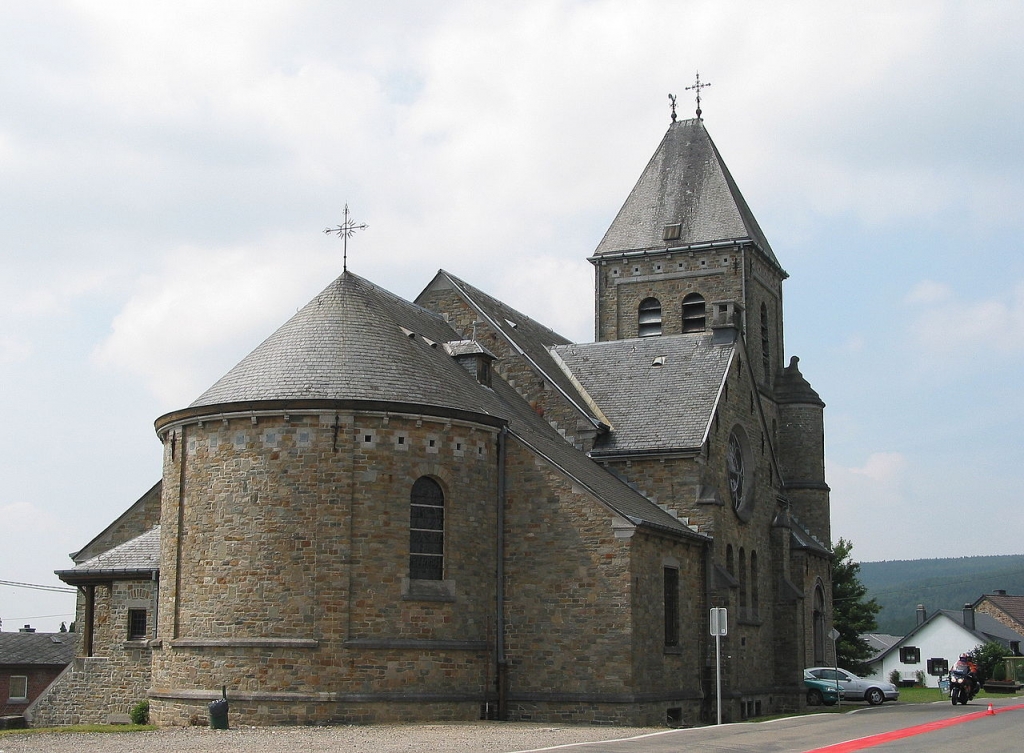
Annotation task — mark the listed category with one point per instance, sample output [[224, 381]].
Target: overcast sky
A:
[[168, 169]]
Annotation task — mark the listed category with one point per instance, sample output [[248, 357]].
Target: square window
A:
[[19, 688], [137, 624]]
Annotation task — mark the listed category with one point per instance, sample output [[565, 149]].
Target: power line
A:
[[57, 589]]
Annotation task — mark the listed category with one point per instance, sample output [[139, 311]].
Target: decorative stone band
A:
[[416, 644], [244, 643], [242, 696]]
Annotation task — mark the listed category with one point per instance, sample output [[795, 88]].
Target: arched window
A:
[[426, 530], [743, 582], [766, 348], [755, 595], [649, 318], [819, 626], [694, 313]]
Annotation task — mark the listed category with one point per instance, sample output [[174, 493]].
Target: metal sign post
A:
[[719, 627], [834, 635]]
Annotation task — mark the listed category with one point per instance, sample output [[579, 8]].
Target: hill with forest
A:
[[900, 585]]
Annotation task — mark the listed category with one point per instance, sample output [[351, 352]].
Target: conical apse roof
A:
[[354, 341]]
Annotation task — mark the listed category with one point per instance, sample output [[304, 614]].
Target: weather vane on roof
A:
[[696, 86], [672, 99], [345, 231]]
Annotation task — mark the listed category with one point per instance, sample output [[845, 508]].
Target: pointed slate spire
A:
[[686, 183]]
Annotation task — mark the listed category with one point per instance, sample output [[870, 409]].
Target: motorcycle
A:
[[962, 687]]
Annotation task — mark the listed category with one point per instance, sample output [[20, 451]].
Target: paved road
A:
[[979, 731], [970, 728]]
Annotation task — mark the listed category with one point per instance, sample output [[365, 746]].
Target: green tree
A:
[[988, 657], [852, 614]]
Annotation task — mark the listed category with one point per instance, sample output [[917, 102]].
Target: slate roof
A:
[[540, 436], [528, 337], [879, 643], [137, 557], [53, 649], [652, 408], [354, 341], [685, 182]]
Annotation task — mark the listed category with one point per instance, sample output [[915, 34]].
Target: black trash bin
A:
[[219, 712]]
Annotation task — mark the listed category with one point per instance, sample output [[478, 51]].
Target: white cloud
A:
[[949, 324], [205, 310]]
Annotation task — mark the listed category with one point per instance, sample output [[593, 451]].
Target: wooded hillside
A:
[[900, 585]]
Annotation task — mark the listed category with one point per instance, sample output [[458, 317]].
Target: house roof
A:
[[1012, 606], [38, 648], [637, 384], [686, 182], [986, 629], [879, 643], [354, 341], [138, 557]]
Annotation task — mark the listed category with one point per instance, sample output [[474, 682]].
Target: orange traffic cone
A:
[[990, 711]]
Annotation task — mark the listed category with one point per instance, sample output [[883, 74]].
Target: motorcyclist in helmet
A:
[[967, 665]]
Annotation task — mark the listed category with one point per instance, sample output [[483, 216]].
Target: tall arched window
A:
[[743, 582], [766, 347], [819, 626], [755, 595], [694, 313], [426, 530], [649, 318]]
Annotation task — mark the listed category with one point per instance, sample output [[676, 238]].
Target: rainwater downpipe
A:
[[502, 663]]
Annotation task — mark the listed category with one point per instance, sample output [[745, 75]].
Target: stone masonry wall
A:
[[623, 283], [286, 563], [584, 608], [117, 676]]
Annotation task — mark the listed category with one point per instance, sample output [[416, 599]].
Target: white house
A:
[[943, 636]]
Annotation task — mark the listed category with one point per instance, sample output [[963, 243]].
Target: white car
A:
[[853, 688]]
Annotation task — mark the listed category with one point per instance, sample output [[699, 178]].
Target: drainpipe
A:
[[502, 663]]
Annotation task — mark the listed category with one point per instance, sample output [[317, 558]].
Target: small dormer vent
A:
[[658, 361], [672, 232]]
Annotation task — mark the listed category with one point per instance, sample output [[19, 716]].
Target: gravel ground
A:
[[474, 737]]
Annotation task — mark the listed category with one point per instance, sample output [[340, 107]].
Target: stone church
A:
[[443, 510]]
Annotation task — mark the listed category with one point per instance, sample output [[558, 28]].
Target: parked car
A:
[[853, 688], [820, 691]]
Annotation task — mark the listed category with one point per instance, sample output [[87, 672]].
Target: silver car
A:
[[853, 688]]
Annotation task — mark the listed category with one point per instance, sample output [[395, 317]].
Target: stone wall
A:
[[91, 689], [285, 571], [117, 676]]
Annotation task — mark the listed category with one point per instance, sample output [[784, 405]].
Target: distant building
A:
[[441, 509], [1008, 610], [943, 635], [29, 662]]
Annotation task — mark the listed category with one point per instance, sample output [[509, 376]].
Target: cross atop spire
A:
[[345, 231], [696, 86]]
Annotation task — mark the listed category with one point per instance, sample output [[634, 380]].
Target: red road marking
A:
[[867, 742]]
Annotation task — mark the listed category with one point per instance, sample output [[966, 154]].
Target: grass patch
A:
[[80, 728]]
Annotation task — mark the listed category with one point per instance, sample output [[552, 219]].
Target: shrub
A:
[[920, 677], [894, 677], [140, 713]]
